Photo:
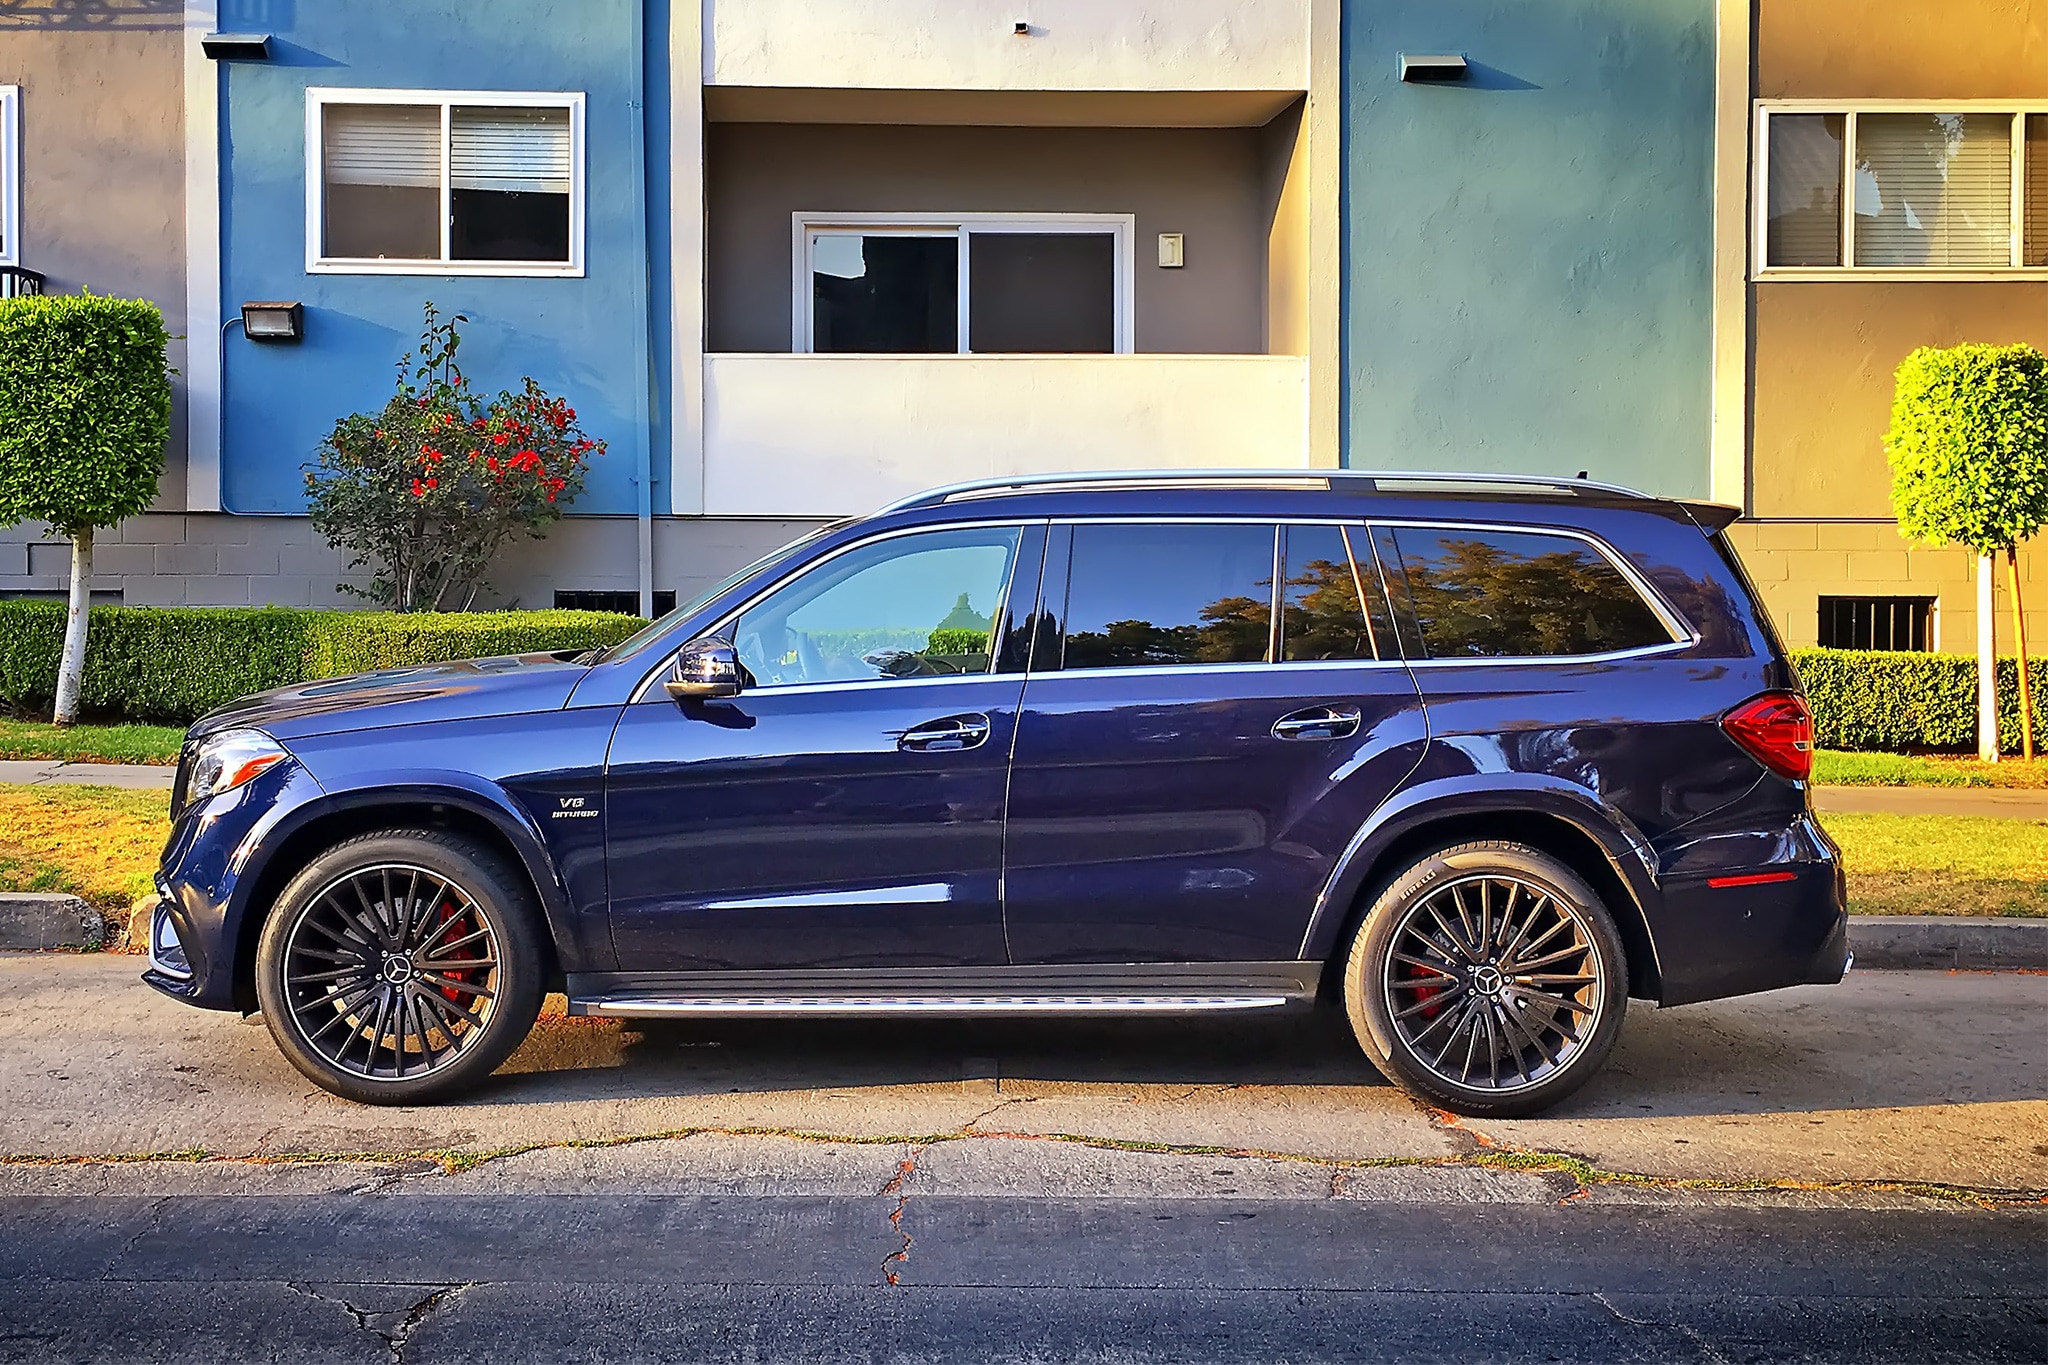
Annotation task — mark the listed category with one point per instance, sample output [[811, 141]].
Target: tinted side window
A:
[[907, 606], [1513, 594], [1321, 614], [1152, 595]]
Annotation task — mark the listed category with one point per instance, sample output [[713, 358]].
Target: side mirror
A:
[[705, 669]]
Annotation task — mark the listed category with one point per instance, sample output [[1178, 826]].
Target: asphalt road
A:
[[389, 1277], [1847, 1173]]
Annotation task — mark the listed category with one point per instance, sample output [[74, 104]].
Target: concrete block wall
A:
[[213, 560], [1796, 563]]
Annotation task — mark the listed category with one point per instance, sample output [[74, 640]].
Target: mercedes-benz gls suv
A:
[[1479, 758]]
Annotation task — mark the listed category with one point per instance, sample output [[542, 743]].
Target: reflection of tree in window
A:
[[1321, 617], [1233, 630], [1521, 595]]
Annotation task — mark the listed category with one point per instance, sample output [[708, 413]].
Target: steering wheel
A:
[[768, 664]]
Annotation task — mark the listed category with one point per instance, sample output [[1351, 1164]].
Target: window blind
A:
[[521, 151], [1934, 190], [382, 144], [1805, 226], [2036, 181]]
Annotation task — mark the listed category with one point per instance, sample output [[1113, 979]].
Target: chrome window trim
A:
[[668, 659], [1683, 635], [1154, 670]]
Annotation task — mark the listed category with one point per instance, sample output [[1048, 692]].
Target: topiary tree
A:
[[1968, 449], [427, 491], [85, 412]]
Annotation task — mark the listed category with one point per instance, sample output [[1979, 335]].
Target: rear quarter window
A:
[[1486, 594]]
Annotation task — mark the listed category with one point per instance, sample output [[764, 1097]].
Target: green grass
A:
[[1943, 864], [1835, 768], [90, 743], [99, 843]]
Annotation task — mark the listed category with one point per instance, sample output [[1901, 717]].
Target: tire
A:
[[401, 966], [1435, 996]]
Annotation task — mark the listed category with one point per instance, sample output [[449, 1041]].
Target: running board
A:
[[815, 1006]]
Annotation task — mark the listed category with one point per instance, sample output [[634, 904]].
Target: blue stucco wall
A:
[[586, 339], [1527, 253]]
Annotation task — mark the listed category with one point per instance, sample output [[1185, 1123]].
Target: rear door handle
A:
[[950, 732], [1318, 722]]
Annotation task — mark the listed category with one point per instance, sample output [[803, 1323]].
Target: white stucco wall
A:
[[1073, 44], [827, 435]]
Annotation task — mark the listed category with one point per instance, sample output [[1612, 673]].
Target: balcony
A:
[[1069, 45], [829, 435]]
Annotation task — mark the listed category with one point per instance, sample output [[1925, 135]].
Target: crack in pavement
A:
[[1481, 1152], [399, 1337], [151, 1223], [904, 1170], [1691, 1334]]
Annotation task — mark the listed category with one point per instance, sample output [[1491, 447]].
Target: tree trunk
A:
[[1987, 665], [2019, 635], [71, 670]]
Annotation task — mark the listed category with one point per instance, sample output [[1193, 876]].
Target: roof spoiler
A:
[[1711, 516]]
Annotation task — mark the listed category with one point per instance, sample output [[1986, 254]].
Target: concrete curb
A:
[[47, 919], [1948, 943]]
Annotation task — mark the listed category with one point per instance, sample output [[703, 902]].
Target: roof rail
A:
[[1372, 480]]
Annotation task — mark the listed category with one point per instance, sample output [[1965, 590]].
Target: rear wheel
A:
[[401, 966], [1488, 979]]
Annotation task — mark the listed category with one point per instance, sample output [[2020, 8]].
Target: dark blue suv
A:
[[1480, 757]]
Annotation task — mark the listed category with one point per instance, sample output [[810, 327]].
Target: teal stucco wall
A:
[[1527, 252]]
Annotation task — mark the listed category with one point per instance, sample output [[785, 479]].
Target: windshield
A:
[[653, 630]]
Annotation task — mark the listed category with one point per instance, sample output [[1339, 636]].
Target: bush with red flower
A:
[[426, 492]]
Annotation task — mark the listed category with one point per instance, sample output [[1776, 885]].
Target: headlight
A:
[[226, 760]]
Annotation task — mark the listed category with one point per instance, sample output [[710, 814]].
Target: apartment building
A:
[[791, 260]]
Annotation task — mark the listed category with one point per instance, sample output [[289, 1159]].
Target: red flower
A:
[[433, 483], [499, 439], [417, 490]]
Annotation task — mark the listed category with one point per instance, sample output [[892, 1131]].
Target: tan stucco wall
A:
[[1203, 182], [1823, 355], [102, 148], [1901, 49], [1824, 361]]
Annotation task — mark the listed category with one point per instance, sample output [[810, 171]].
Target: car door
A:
[[1189, 766], [846, 808]]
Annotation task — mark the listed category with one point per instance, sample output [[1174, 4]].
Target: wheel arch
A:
[[1568, 825], [321, 825]]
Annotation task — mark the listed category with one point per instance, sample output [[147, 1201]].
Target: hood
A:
[[511, 685]]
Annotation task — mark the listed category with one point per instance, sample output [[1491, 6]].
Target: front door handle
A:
[[951, 732], [1318, 722]]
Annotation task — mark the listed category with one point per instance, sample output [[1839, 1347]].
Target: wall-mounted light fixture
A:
[[246, 47], [1442, 66], [274, 321]]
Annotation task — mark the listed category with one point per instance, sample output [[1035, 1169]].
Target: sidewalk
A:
[[1991, 801], [39, 771]]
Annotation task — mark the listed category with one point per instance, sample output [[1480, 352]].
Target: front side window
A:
[[1937, 189], [949, 286], [913, 606], [478, 184], [1486, 594], [1154, 595]]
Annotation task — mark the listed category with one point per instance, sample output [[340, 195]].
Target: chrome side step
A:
[[792, 1006]]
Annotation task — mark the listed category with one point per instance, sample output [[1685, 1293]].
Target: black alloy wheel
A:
[[1487, 979], [401, 966]]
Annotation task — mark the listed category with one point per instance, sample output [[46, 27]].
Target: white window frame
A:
[[10, 174], [1760, 186], [805, 227], [318, 97]]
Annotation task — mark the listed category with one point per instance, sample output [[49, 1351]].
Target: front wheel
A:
[[1488, 979], [401, 966]]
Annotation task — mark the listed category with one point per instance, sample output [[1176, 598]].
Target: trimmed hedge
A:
[[177, 663], [1896, 701]]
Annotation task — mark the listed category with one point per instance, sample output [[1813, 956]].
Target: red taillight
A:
[[1776, 729]]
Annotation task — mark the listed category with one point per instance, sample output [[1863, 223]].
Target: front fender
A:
[[582, 946], [1461, 797]]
